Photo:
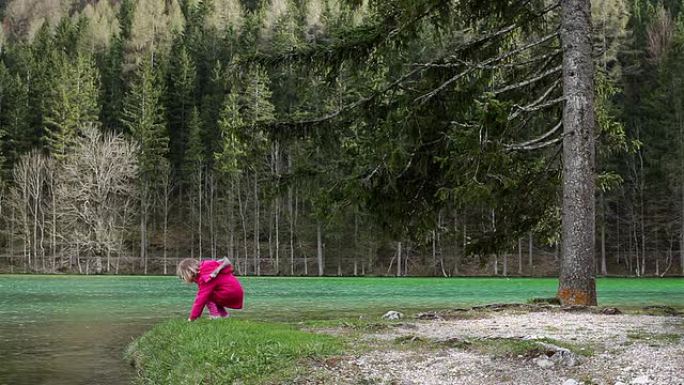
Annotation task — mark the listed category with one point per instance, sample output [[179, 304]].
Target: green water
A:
[[71, 330]]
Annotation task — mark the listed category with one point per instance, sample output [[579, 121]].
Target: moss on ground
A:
[[226, 352], [498, 347], [526, 348], [667, 338]]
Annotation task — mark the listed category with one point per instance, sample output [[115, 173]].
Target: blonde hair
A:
[[187, 269]]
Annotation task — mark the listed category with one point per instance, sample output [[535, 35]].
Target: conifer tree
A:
[[234, 148], [193, 169], [143, 116], [257, 110], [180, 100], [103, 25], [214, 92], [153, 24], [40, 82], [14, 118], [73, 101]]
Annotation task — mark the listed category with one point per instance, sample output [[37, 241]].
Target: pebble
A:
[[544, 363], [570, 381], [393, 315], [641, 380]]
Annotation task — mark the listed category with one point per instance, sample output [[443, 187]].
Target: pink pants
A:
[[216, 310]]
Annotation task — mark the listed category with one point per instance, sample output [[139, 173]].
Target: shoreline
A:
[[494, 344]]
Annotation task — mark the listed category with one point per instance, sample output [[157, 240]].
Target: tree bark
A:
[[143, 232], [290, 209], [530, 258], [617, 235], [166, 225], [398, 259], [277, 210], [439, 244], [604, 268], [681, 168], [319, 247], [54, 226], [356, 242], [505, 264], [231, 223], [457, 253], [577, 284], [520, 258], [212, 215], [257, 248], [199, 210], [243, 220]]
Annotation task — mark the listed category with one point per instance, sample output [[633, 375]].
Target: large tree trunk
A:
[[577, 285]]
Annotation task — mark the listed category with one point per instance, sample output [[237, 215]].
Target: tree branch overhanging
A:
[[485, 64], [533, 144]]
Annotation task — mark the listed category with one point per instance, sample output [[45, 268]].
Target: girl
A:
[[217, 287]]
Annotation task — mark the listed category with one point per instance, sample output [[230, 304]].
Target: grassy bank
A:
[[225, 352]]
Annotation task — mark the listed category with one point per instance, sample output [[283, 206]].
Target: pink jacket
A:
[[224, 290]]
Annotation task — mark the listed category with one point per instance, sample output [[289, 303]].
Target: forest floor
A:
[[510, 344]]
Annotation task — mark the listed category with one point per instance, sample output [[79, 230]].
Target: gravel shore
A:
[[613, 350]]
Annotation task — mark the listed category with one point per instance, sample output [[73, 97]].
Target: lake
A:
[[72, 330]]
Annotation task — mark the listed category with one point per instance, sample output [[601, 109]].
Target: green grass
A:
[[226, 352], [544, 301]]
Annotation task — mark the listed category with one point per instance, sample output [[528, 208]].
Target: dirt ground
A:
[[510, 346]]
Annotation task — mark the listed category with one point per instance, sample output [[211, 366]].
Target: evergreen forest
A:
[[331, 137]]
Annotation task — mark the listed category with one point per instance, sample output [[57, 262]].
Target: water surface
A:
[[72, 330]]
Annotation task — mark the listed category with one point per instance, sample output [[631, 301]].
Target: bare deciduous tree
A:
[[26, 198], [96, 188]]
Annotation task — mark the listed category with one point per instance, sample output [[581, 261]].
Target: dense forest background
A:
[[135, 133]]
